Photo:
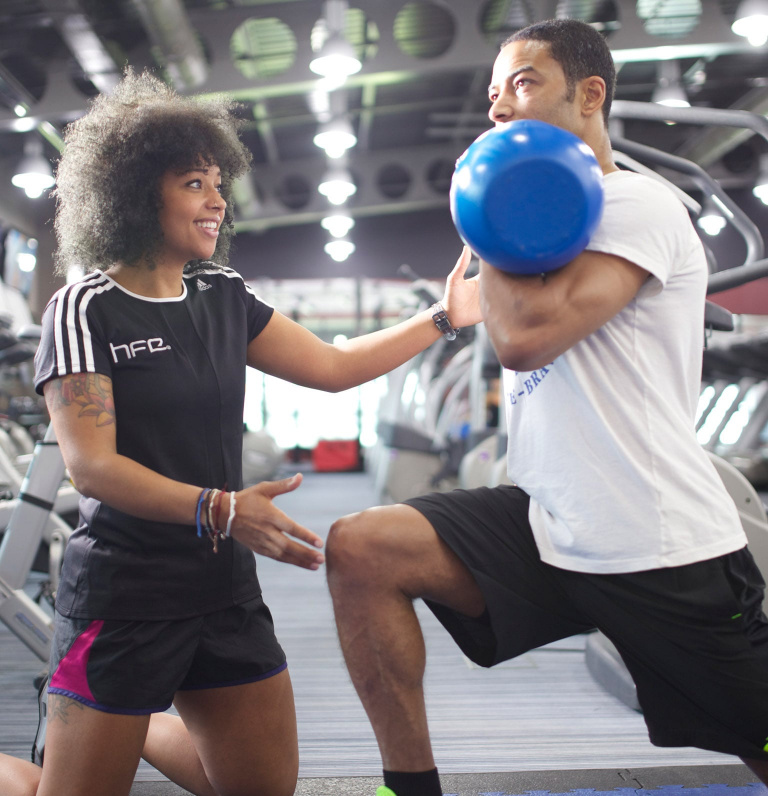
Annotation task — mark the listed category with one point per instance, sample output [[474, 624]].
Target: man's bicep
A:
[[604, 286], [592, 290]]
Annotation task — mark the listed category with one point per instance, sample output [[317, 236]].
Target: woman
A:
[[142, 365]]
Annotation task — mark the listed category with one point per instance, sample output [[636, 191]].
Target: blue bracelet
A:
[[199, 511]]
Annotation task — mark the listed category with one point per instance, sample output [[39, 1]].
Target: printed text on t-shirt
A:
[[535, 377], [153, 345]]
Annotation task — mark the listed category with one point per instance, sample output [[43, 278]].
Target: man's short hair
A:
[[580, 50]]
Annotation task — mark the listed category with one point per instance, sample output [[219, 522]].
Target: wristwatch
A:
[[442, 322]]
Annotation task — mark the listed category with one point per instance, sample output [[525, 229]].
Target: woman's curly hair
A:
[[108, 178]]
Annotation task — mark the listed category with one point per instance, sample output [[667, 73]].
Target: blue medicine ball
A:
[[526, 196]]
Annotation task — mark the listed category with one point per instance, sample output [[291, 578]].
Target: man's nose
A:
[[500, 110]]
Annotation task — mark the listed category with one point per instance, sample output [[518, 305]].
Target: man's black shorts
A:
[[694, 637], [136, 667]]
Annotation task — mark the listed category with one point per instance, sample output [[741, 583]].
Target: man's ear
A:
[[593, 95]]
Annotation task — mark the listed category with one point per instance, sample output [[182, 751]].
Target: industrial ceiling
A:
[[417, 102]]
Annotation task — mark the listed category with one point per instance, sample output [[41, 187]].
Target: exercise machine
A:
[[424, 417], [30, 516]]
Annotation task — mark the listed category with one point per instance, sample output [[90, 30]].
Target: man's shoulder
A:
[[624, 183], [643, 195]]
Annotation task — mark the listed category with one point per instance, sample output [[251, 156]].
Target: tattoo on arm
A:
[[60, 707], [92, 392]]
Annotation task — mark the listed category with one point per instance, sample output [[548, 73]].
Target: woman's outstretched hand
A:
[[462, 296], [262, 527]]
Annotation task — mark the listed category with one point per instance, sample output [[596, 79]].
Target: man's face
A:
[[527, 83]]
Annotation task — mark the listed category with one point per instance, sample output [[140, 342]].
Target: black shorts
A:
[[694, 637], [136, 667]]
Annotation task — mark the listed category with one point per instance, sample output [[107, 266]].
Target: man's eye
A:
[[493, 97]]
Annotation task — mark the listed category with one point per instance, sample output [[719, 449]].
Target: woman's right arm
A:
[[82, 411]]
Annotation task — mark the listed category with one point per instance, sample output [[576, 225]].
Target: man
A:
[[618, 521]]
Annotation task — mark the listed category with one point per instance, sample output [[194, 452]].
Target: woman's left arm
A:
[[288, 350]]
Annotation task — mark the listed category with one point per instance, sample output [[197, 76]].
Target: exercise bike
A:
[[30, 518]]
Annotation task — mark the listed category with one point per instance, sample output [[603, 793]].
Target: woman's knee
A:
[[272, 783], [18, 777]]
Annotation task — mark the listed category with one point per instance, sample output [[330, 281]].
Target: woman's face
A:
[[191, 213]]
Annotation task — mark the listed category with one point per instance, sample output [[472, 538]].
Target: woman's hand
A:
[[262, 527], [462, 296]]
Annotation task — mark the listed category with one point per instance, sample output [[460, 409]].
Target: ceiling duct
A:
[[710, 145], [94, 59], [97, 64], [171, 32]]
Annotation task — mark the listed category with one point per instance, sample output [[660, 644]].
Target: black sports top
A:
[[178, 377]]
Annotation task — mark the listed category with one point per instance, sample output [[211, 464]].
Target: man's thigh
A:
[[488, 530], [695, 640]]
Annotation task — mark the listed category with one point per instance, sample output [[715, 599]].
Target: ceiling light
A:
[[761, 183], [337, 186], [338, 225], [20, 109], [34, 173], [26, 261], [331, 83], [24, 124], [339, 249], [673, 96], [761, 191], [711, 220], [751, 21], [335, 137], [669, 89], [336, 58]]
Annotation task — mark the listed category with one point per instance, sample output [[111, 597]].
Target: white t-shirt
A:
[[603, 439]]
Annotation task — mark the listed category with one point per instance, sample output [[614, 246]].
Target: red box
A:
[[336, 455]]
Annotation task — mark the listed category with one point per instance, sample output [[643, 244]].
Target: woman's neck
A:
[[158, 282]]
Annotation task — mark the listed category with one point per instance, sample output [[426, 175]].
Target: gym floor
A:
[[535, 725]]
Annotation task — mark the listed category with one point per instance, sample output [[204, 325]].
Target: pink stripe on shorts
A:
[[71, 676]]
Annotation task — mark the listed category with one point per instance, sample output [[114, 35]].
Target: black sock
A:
[[413, 783]]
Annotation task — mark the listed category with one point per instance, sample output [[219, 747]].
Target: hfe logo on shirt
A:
[[152, 346]]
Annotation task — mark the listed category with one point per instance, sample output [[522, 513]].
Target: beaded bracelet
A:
[[231, 517], [198, 513], [211, 526], [217, 510], [206, 516]]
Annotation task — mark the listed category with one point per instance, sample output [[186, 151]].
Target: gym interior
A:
[[344, 225]]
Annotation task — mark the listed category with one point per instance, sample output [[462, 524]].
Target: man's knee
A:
[[349, 543], [377, 545]]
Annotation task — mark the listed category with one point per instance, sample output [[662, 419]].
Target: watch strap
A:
[[440, 318]]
